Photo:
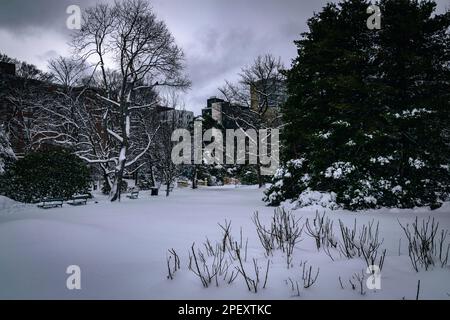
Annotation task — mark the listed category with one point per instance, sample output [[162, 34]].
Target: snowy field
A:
[[121, 249]]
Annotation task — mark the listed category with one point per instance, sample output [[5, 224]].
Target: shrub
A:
[[56, 173]]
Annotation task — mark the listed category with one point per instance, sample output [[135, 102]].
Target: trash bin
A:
[[154, 191]]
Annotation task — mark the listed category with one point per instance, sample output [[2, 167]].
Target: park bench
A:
[[134, 194], [78, 199], [47, 203]]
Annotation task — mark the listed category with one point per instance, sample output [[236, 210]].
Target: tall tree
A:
[[128, 35], [366, 113]]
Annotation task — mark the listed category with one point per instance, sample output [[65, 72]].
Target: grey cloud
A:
[[218, 36]]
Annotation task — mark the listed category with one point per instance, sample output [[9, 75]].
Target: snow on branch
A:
[[115, 135]]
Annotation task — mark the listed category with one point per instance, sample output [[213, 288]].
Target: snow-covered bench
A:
[[79, 199], [47, 203]]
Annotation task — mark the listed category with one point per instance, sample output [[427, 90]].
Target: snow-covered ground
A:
[[121, 249]]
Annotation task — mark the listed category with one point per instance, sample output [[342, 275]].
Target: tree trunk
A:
[[136, 178], [106, 179], [258, 173], [194, 178], [167, 189], [259, 176], [152, 176], [116, 191], [126, 99]]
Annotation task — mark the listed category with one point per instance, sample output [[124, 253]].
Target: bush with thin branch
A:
[[347, 246], [425, 248], [308, 277], [321, 230], [210, 266], [199, 266], [357, 282], [364, 243], [284, 233], [295, 287], [223, 261], [369, 245], [173, 263], [252, 282]]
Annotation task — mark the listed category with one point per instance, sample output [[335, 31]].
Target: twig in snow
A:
[[418, 290]]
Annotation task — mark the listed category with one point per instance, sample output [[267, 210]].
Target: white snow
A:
[[416, 163], [122, 155], [315, 200], [339, 170], [121, 249], [324, 135], [341, 123], [127, 126], [412, 113], [381, 160], [397, 189], [297, 163]]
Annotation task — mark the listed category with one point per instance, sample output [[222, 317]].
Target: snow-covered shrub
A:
[[56, 173], [373, 184], [316, 198], [287, 183], [295, 182]]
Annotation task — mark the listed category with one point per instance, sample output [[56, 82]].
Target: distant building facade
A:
[[223, 112], [182, 118], [226, 114]]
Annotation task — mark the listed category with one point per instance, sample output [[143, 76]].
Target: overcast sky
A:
[[218, 36]]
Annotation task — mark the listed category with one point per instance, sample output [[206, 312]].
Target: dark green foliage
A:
[[248, 175], [55, 173], [368, 110]]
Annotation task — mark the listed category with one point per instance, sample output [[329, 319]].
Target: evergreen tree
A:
[[367, 112]]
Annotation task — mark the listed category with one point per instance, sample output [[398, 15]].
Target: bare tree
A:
[[170, 120], [67, 72], [133, 53], [257, 96]]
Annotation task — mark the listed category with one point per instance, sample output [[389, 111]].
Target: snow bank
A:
[[8, 205]]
